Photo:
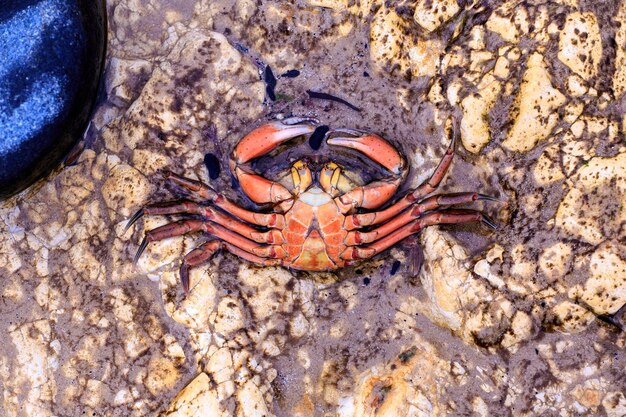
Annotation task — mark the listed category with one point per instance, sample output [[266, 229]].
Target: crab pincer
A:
[[369, 144], [269, 136], [259, 142], [382, 152]]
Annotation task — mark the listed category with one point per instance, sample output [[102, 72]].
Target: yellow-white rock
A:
[[537, 102], [619, 76], [475, 123], [196, 399], [430, 14], [571, 317], [605, 289], [593, 209], [394, 46], [580, 44]]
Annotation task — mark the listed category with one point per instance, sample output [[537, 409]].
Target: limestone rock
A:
[[394, 47], [580, 44], [382, 391], [431, 14], [571, 318], [475, 123], [125, 189], [619, 76], [605, 290], [592, 210], [196, 399], [537, 102]]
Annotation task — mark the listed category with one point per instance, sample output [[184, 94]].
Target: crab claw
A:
[[267, 137], [369, 144]]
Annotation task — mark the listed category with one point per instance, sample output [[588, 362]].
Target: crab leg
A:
[[197, 257], [376, 193], [413, 227], [178, 228], [259, 189], [204, 191], [424, 189], [198, 188], [431, 203], [259, 142], [204, 252], [183, 227], [209, 213]]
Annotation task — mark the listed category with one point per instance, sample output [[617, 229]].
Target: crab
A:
[[322, 221]]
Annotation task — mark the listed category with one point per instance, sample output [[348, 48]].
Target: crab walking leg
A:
[[273, 220], [356, 237], [196, 187], [195, 258], [424, 189], [173, 229], [184, 227], [204, 252], [204, 191], [376, 193], [413, 227], [209, 213], [431, 203]]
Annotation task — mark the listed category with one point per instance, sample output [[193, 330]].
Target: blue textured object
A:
[[51, 59]]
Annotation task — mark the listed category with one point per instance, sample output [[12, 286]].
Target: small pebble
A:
[[270, 82], [315, 141], [291, 74], [212, 165], [395, 267], [270, 93], [269, 77]]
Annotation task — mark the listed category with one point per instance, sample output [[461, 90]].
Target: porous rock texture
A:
[[524, 321]]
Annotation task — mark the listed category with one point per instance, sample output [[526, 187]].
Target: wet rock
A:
[[509, 21], [615, 404], [382, 391], [229, 316], [580, 44], [605, 290], [394, 47], [571, 317], [556, 260], [619, 76], [162, 375], [32, 343], [124, 77], [474, 124], [197, 398], [537, 103], [360, 341], [591, 211], [432, 14], [125, 189], [251, 401]]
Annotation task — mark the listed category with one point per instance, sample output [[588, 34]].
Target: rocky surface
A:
[[524, 321]]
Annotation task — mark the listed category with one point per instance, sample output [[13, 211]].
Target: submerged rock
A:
[[52, 52]]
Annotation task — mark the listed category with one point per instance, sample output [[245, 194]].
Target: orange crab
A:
[[320, 222]]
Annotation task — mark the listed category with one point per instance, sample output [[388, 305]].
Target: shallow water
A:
[[523, 321]]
